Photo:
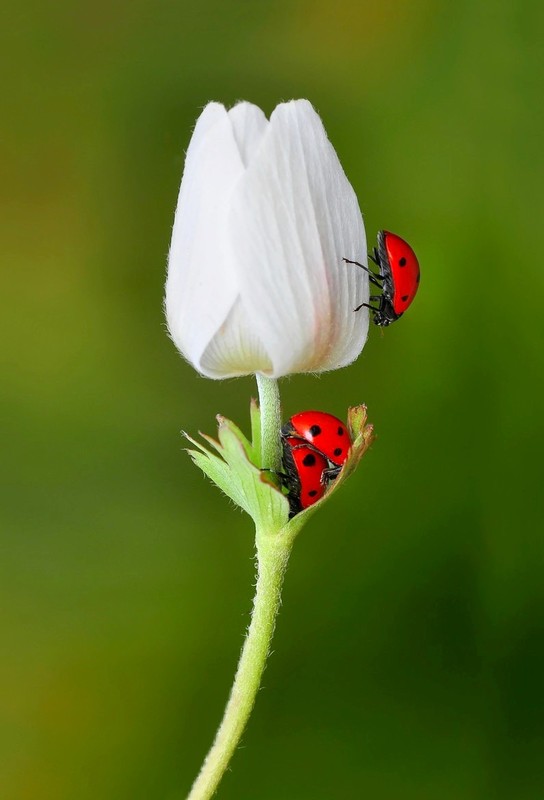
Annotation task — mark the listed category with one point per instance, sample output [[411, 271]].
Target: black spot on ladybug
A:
[[338, 451], [315, 430], [309, 460], [418, 277], [404, 298], [340, 431], [402, 262], [312, 493]]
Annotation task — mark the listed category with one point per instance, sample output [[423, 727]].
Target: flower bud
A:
[[265, 215]]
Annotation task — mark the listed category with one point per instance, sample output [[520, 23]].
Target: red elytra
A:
[[326, 433], [398, 278], [399, 268], [304, 472]]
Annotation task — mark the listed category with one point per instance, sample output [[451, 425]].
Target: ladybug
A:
[[304, 474], [398, 278], [326, 435]]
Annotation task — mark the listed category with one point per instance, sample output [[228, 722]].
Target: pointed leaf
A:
[[218, 471]]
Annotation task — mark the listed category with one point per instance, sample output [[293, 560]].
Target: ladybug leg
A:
[[330, 474], [365, 305], [375, 279], [282, 475], [357, 263], [372, 275], [375, 257], [281, 479]]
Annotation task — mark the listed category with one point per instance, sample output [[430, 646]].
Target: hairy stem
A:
[[272, 556], [269, 402]]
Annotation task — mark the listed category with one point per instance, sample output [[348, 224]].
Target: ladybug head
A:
[[385, 314]]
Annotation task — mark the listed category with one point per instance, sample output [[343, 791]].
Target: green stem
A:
[[273, 552], [272, 556], [269, 402]]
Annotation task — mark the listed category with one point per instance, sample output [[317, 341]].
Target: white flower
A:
[[265, 215]]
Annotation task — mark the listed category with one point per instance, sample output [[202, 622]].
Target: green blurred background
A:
[[409, 656]]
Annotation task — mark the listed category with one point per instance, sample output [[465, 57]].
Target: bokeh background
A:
[[409, 656]]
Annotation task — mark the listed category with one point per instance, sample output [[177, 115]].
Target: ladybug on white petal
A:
[[398, 278]]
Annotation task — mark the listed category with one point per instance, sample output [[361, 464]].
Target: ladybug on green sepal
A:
[[398, 278], [324, 432], [315, 447], [304, 474]]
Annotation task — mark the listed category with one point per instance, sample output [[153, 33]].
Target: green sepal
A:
[[232, 462], [233, 467]]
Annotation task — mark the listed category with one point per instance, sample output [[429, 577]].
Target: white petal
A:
[[248, 126], [234, 349], [202, 287], [294, 217]]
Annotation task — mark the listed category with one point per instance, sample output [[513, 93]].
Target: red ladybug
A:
[[398, 278], [304, 473], [327, 434]]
